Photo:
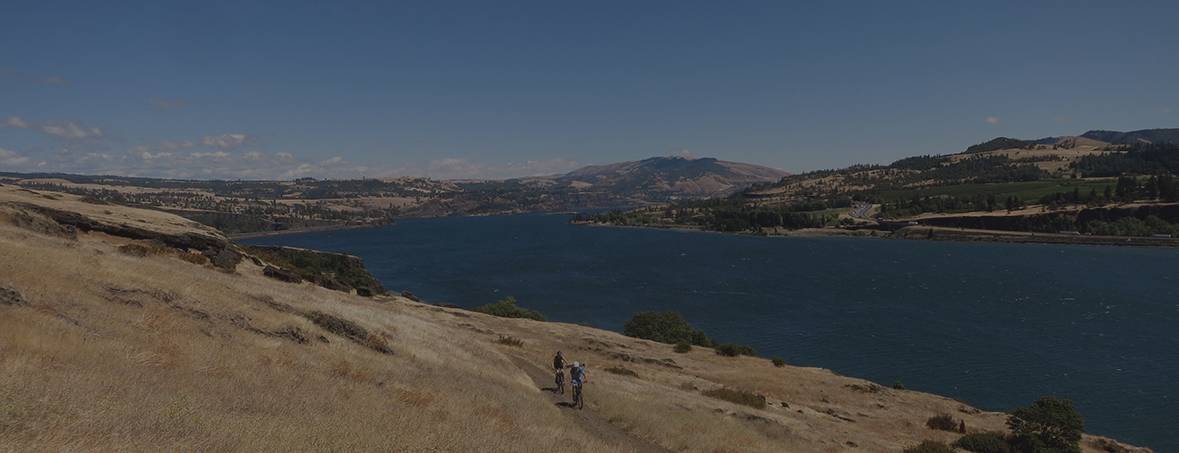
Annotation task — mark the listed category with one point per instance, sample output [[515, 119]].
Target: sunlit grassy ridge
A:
[[106, 350]]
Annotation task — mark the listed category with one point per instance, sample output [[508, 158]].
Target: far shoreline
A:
[[929, 233], [314, 229]]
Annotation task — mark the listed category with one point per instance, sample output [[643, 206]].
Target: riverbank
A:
[[919, 232], [314, 229], [968, 235]]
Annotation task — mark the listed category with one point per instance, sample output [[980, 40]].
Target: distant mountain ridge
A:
[[1169, 135], [672, 175], [1129, 138]]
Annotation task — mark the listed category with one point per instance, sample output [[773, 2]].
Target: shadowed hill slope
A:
[[113, 341], [701, 177], [1132, 137]]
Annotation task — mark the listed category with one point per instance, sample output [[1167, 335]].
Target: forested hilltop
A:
[[1073, 186]]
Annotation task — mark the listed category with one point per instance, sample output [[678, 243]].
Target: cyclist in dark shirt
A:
[[559, 367]]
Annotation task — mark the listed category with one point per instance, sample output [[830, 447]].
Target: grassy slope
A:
[[115, 352], [1029, 191]]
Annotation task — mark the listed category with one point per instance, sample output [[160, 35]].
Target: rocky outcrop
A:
[[281, 274], [224, 259], [64, 215], [9, 296], [183, 240]]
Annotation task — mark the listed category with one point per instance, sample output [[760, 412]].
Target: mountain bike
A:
[[560, 381], [578, 398]]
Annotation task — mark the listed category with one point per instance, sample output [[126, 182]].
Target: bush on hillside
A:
[[350, 330], [621, 370], [1049, 424], [336, 271], [664, 327], [930, 446], [989, 442], [133, 250], [733, 350], [778, 362], [943, 422], [737, 396], [510, 341], [682, 347], [507, 308], [378, 343]]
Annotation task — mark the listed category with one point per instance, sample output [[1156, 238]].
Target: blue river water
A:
[[995, 325]]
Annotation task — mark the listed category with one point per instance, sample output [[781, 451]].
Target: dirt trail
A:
[[586, 418]]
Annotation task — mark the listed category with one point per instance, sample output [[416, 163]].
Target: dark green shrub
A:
[[898, 385], [737, 396], [943, 422], [1049, 424], [682, 347], [699, 339], [336, 271], [930, 446], [664, 327], [778, 362], [621, 370], [507, 308], [990, 442], [733, 350]]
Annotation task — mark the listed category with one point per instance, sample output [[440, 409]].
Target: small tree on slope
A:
[[1048, 425]]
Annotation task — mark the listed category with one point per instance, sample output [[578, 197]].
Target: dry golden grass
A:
[[115, 352]]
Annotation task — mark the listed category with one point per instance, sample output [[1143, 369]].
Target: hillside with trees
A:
[[1073, 186]]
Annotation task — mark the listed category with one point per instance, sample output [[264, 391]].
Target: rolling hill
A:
[[1132, 137], [243, 207], [1091, 139], [672, 175], [117, 336]]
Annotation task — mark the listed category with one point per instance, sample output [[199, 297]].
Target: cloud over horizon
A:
[[73, 147], [70, 130]]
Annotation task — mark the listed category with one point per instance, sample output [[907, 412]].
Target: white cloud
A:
[[992, 120], [70, 130], [458, 168], [225, 141], [17, 122], [12, 158], [145, 153], [212, 154], [230, 156], [29, 78]]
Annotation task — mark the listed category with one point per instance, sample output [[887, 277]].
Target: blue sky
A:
[[497, 89]]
